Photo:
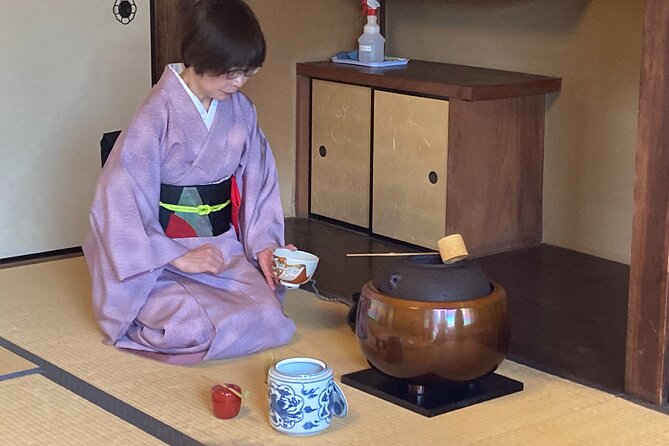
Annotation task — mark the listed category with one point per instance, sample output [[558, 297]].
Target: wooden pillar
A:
[[302, 146], [167, 18], [646, 359], [382, 20]]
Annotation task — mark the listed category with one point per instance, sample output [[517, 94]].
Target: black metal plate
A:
[[438, 398]]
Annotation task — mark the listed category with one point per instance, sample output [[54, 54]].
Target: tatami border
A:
[[100, 398]]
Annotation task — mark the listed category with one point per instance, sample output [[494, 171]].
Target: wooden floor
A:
[[567, 310]]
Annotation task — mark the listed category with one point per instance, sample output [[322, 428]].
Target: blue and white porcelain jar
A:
[[303, 396]]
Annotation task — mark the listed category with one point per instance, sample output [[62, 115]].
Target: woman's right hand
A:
[[205, 259]]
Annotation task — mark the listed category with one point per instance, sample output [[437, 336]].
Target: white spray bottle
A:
[[371, 44]]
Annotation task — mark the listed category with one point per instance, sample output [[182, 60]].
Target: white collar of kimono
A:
[[207, 115]]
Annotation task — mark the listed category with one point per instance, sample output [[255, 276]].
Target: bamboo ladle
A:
[[451, 249]]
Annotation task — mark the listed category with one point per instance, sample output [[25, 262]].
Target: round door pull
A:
[[322, 151], [433, 177]]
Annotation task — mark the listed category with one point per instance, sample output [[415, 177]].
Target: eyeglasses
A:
[[238, 72]]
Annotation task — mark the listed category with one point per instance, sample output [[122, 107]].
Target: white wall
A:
[[70, 72]]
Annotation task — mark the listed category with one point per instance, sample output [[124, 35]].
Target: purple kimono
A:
[[141, 302]]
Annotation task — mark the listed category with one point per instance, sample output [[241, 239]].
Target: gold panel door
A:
[[340, 151], [410, 157]]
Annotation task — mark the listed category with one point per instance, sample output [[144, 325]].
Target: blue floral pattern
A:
[[311, 393], [285, 408], [325, 401], [309, 425]]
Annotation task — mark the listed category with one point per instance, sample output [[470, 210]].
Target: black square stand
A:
[[439, 398]]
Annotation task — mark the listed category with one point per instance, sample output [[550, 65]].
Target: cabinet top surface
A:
[[436, 79]]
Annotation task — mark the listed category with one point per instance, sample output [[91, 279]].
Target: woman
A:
[[187, 209]]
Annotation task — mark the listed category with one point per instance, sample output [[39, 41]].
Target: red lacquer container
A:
[[225, 401]]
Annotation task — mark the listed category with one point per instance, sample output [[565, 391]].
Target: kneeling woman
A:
[[187, 209]]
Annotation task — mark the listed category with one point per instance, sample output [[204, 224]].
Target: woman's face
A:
[[221, 86]]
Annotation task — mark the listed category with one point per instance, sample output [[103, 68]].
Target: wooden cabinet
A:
[[425, 150]]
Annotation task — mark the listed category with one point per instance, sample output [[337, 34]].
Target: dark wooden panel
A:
[[646, 365], [495, 180], [567, 312], [437, 79], [302, 146], [168, 17]]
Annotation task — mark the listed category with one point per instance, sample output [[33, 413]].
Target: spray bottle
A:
[[371, 43]]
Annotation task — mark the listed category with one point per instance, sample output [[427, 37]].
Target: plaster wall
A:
[[595, 47], [295, 34], [71, 73]]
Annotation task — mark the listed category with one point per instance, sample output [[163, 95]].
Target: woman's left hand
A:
[[265, 262]]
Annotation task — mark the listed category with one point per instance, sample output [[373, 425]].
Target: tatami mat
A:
[[45, 309], [13, 366], [35, 411]]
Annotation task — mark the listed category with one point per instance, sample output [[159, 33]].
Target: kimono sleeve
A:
[[261, 214], [124, 215]]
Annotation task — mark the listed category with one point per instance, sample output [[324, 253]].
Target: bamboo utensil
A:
[[451, 249]]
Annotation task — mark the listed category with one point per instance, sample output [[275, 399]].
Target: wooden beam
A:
[[166, 26], [646, 365], [382, 22], [302, 146]]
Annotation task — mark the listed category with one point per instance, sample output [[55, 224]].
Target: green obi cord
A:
[[195, 211]]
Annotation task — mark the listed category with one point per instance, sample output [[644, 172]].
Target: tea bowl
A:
[[293, 268]]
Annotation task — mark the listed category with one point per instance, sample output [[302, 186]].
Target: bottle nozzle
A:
[[369, 7]]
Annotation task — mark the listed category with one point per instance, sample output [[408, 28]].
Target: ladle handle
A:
[[391, 254], [451, 249]]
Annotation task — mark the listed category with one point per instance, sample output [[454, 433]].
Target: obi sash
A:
[[206, 210]]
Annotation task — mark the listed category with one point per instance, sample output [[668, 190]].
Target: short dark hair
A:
[[220, 35]]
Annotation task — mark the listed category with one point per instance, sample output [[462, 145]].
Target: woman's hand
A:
[[265, 262], [205, 259]]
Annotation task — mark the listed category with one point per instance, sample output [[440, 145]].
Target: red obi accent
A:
[[236, 200], [177, 227]]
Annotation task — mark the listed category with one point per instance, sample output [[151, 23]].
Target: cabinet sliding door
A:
[[410, 164], [340, 152]]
